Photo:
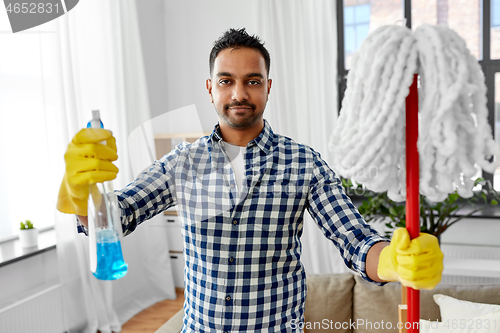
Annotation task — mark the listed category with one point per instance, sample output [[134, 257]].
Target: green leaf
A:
[[479, 180], [23, 227], [453, 197], [393, 211], [494, 202]]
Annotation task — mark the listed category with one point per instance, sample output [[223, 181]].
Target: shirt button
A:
[[231, 259], [228, 298], [235, 222], [231, 186]]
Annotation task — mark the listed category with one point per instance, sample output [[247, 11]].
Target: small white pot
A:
[[28, 237]]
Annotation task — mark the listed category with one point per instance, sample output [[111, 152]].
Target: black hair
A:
[[237, 38]]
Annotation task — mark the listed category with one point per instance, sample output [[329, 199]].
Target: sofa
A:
[[346, 303]]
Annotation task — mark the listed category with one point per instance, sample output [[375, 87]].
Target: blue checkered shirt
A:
[[242, 249]]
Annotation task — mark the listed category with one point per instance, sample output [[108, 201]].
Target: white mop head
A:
[[454, 133]]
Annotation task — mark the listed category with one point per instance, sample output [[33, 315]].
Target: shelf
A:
[[11, 251]]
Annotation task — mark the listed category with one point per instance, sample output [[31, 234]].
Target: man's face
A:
[[239, 87]]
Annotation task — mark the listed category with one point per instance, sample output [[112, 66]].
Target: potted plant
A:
[[435, 218], [28, 235]]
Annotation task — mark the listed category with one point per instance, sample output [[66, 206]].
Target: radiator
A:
[[40, 312], [466, 264]]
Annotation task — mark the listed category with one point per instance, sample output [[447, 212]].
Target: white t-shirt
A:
[[237, 157]]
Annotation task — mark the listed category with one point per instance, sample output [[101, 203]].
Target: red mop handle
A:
[[412, 195]]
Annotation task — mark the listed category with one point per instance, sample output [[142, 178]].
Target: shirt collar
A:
[[264, 141]]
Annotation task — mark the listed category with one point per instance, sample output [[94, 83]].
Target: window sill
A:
[[11, 250]]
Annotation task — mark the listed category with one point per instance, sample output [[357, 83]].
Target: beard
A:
[[240, 120]]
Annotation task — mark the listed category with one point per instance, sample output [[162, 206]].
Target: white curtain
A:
[[301, 37], [93, 60]]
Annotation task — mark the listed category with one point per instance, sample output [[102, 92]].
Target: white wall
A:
[[152, 32]]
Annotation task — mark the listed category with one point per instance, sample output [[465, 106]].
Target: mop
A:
[[454, 131], [444, 140]]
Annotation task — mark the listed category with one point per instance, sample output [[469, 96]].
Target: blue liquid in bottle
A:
[[106, 257], [110, 263]]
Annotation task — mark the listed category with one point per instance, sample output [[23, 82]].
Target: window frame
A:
[[489, 66]]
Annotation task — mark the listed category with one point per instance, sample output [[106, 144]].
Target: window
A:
[[357, 26], [463, 18], [476, 21], [362, 17], [24, 161], [495, 13]]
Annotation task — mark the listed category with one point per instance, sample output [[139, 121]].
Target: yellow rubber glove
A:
[[87, 162], [416, 263]]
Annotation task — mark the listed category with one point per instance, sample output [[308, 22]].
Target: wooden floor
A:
[[152, 318]]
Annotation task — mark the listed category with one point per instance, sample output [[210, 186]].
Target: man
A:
[[241, 194]]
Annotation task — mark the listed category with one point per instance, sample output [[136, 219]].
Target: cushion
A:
[[455, 309], [372, 303], [329, 301]]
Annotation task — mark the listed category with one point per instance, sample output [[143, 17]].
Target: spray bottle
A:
[[105, 229]]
